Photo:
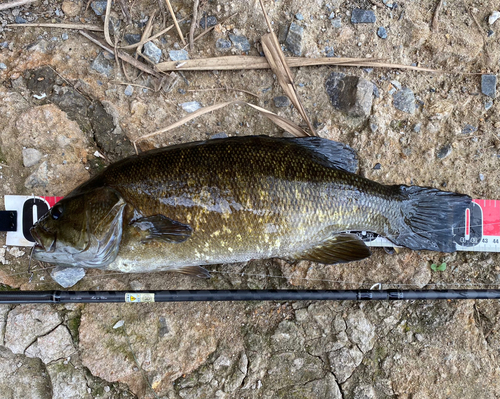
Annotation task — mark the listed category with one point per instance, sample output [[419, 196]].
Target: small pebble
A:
[[220, 135], [102, 65], [240, 42], [332, 15], [329, 52], [467, 129], [299, 16], [182, 91], [481, 177], [489, 85], [64, 36], [191, 106], [444, 151], [404, 100], [373, 128], [3, 66], [382, 33], [376, 92], [129, 90], [4, 44], [31, 156], [178, 55], [152, 52], [493, 17], [337, 23], [210, 21], [281, 101], [99, 7], [294, 39], [490, 32], [417, 127], [360, 16], [377, 166], [20, 20], [119, 324], [223, 44], [488, 104], [396, 84], [132, 38]]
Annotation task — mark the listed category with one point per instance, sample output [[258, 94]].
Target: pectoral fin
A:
[[160, 227], [196, 271], [340, 248]]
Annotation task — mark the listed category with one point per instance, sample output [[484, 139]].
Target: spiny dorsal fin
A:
[[340, 248], [336, 155]]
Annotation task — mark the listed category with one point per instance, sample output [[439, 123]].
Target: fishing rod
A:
[[19, 297]]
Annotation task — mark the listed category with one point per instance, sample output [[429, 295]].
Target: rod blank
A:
[[18, 297]]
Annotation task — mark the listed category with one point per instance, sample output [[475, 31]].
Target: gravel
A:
[[294, 39], [223, 44], [444, 151], [152, 52], [178, 55], [360, 16], [191, 106], [489, 85], [240, 42], [382, 33], [129, 90], [281, 101], [404, 100], [102, 65], [208, 22]]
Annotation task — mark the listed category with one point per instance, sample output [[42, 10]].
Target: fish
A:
[[235, 199]]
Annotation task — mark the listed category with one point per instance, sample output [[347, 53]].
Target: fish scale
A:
[[236, 199]]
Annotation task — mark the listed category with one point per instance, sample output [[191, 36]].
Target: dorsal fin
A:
[[335, 154]]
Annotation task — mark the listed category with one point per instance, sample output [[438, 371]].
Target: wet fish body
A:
[[236, 199]]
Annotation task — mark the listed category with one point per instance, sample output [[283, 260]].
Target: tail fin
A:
[[429, 218]]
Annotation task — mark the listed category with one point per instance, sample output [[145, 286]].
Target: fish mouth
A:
[[44, 240]]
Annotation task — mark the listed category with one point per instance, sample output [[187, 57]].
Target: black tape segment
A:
[[8, 220]]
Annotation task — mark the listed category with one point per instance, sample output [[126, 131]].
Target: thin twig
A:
[[16, 3], [210, 29], [175, 21], [141, 43], [147, 32], [94, 28], [106, 24], [125, 10], [125, 57], [194, 22], [435, 18], [477, 23], [235, 62], [226, 89]]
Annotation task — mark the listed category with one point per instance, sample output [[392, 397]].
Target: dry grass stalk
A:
[[194, 22], [227, 89], [106, 24], [242, 62], [147, 33], [278, 120], [16, 3], [435, 18], [280, 68], [175, 21], [207, 30], [94, 28], [141, 43], [278, 64], [125, 57]]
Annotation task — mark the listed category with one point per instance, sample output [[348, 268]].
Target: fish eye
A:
[[57, 211]]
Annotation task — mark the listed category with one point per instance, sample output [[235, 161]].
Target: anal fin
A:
[[195, 271], [340, 248], [160, 227]]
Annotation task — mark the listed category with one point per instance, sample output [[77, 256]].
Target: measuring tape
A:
[[478, 229]]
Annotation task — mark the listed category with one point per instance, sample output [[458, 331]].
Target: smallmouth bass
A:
[[236, 199]]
